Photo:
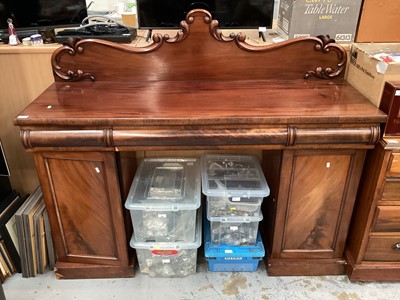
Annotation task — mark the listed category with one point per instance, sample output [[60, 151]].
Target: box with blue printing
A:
[[225, 258]]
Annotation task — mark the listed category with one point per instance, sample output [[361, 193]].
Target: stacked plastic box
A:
[[235, 187], [226, 258], [164, 202]]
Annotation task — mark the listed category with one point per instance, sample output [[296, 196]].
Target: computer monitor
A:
[[229, 13]]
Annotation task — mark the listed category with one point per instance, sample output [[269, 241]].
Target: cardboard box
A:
[[336, 18], [369, 68], [379, 22]]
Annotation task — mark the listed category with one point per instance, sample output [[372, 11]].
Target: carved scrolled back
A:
[[207, 19], [322, 43], [180, 35], [326, 44], [184, 30], [72, 48], [76, 46], [200, 22], [217, 33]]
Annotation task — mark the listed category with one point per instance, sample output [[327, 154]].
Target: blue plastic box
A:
[[225, 258]]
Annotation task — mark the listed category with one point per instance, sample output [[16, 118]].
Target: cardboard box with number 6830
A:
[[336, 18]]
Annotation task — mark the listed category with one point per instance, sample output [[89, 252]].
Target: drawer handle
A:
[[396, 246]]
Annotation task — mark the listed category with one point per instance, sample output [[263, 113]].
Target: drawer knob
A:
[[396, 246]]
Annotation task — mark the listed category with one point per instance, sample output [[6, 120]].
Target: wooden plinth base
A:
[[304, 267], [372, 271], [86, 271]]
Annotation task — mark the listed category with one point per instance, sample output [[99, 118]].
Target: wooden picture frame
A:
[[8, 230]]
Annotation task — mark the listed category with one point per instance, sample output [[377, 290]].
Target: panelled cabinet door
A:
[[315, 203], [82, 196]]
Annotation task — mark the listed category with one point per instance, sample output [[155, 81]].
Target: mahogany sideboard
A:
[[200, 90]]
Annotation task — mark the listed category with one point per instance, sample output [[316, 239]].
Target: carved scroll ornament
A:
[[202, 21], [72, 47], [326, 44]]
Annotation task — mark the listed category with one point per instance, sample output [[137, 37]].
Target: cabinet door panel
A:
[[84, 203], [316, 200], [315, 203]]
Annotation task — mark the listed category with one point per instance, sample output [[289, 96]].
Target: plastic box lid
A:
[[165, 184], [222, 251], [233, 176], [172, 245]]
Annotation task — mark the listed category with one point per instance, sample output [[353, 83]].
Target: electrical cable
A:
[[109, 20]]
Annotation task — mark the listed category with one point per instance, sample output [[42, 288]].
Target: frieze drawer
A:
[[387, 219], [383, 248]]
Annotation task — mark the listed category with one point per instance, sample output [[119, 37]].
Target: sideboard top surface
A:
[[199, 103]]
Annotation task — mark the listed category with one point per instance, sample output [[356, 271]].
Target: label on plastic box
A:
[[233, 228], [228, 251], [235, 199], [165, 252], [162, 216], [165, 261]]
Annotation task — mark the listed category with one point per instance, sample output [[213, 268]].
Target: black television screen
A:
[[229, 13], [42, 14]]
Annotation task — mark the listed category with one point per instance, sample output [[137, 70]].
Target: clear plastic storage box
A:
[[163, 199], [229, 207], [234, 231], [232, 258], [234, 185], [174, 259]]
